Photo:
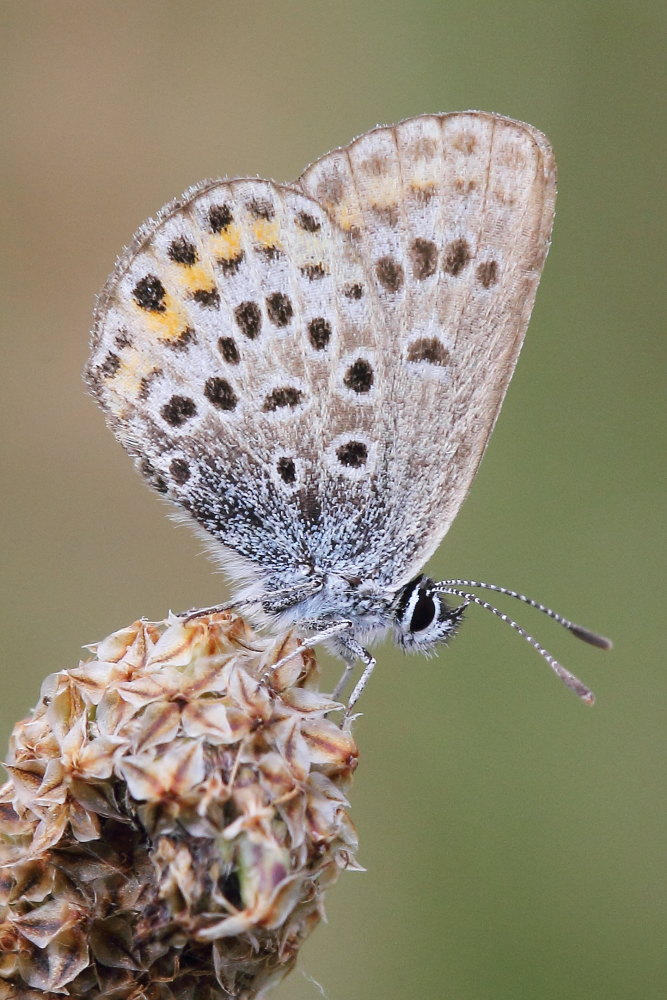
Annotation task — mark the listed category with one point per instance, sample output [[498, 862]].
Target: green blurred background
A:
[[514, 839]]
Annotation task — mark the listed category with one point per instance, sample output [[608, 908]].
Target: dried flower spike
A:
[[174, 814]]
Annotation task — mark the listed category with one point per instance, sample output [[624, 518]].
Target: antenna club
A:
[[592, 638]]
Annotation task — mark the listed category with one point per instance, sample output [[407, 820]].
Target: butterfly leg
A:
[[323, 631], [272, 601], [275, 601], [369, 662], [214, 609], [350, 660]]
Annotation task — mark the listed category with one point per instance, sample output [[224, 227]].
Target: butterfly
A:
[[312, 371]]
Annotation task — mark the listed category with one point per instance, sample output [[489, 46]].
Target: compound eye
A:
[[423, 613]]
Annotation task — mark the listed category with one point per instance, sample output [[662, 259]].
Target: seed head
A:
[[174, 813]]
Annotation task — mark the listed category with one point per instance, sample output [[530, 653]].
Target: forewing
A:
[[451, 216], [233, 355]]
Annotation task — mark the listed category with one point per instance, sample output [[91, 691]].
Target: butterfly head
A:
[[422, 618]]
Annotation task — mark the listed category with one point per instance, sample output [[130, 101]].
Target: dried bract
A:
[[174, 814]]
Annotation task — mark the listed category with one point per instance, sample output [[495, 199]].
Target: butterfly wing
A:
[[216, 356], [312, 372], [451, 215]]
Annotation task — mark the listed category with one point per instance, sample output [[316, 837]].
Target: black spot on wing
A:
[[487, 273], [149, 294], [286, 469], [352, 454], [229, 350], [182, 251], [108, 367], [319, 333], [389, 273], [457, 256], [249, 318], [424, 257], [180, 471], [220, 393], [186, 337], [219, 218], [313, 271], [428, 349], [207, 297], [279, 308], [261, 208], [359, 376], [230, 265], [306, 222], [284, 396], [178, 411]]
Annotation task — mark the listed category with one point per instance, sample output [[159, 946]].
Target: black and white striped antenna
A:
[[453, 587]]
